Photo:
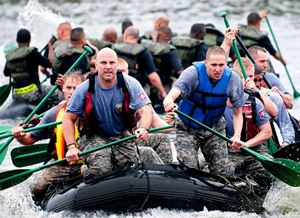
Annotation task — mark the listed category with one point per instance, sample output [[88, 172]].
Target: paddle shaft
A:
[[88, 50], [6, 131], [236, 50], [15, 179], [296, 93], [33, 128]]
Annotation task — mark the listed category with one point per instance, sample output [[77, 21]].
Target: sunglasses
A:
[[258, 80]]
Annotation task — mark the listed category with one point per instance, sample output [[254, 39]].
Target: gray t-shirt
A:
[[262, 116], [46, 133], [188, 82], [273, 80], [107, 103]]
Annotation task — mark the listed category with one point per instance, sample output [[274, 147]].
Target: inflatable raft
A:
[[139, 187]]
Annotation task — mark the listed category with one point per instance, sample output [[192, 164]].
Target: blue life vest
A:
[[207, 103]]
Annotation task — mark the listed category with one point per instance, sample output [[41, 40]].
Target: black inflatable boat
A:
[[139, 187]]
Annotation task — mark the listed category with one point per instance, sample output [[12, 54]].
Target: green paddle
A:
[[4, 93], [6, 129], [29, 155], [287, 171], [296, 93], [9, 134], [291, 151], [14, 177], [3, 147]]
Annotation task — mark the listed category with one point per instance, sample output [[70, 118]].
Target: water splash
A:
[[41, 22]]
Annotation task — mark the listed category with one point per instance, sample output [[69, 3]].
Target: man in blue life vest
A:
[[204, 88], [56, 173]]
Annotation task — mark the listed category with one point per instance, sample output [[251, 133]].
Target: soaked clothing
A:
[[261, 116], [109, 122], [190, 142], [105, 160], [246, 166], [160, 143], [56, 174], [213, 148], [283, 120], [273, 80], [188, 82]]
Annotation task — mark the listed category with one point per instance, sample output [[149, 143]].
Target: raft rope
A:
[[195, 173], [248, 201], [145, 170]]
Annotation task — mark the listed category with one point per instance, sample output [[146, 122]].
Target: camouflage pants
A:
[[214, 149], [246, 165], [36, 96], [55, 174], [105, 160], [160, 143]]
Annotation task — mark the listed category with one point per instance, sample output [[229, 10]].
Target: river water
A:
[[42, 17]]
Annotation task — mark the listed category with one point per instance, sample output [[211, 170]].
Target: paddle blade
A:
[[3, 154], [13, 177], [29, 155], [291, 152], [5, 129], [287, 171], [4, 93]]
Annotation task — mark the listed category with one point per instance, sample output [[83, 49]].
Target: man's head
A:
[[106, 65], [72, 80], [77, 37], [198, 31], [131, 34], [23, 36], [63, 30], [254, 19], [110, 35], [123, 66], [258, 77], [249, 68], [126, 23], [215, 62], [261, 57], [161, 21], [164, 34]]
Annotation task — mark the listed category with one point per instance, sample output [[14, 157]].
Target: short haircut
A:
[[77, 34], [253, 18], [133, 32], [161, 21], [123, 62], [215, 50], [254, 49], [126, 23], [66, 26], [165, 30], [77, 75], [197, 30], [248, 65], [23, 36]]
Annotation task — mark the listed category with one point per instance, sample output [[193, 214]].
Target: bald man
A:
[[110, 119]]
